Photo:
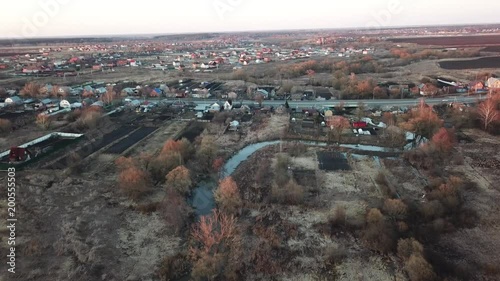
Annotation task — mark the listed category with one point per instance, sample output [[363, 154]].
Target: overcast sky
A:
[[38, 18]]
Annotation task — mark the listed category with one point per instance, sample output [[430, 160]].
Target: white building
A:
[[64, 104]]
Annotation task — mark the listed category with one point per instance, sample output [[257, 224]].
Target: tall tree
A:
[[423, 121], [227, 196], [444, 140], [179, 179], [337, 126], [488, 112], [31, 89]]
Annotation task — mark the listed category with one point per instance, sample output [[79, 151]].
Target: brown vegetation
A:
[[395, 209], [215, 243], [434, 153], [227, 196], [179, 179], [378, 235], [88, 118], [337, 126], [43, 121], [290, 193], [172, 155], [206, 153], [175, 211], [444, 140], [218, 164], [281, 173], [133, 180], [423, 121], [31, 90], [108, 97], [338, 221], [419, 269], [174, 267], [5, 126]]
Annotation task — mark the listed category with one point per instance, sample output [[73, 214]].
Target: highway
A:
[[354, 103]]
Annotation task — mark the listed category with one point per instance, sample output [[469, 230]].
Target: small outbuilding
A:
[[14, 100], [215, 107], [64, 104]]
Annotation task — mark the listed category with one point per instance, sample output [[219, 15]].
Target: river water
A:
[[203, 200]]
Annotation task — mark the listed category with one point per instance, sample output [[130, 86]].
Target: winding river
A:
[[203, 200]]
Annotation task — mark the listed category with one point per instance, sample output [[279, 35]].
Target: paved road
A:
[[354, 103]]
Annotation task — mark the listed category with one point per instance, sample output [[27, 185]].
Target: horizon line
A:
[[118, 35]]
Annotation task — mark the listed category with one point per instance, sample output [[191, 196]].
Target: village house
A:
[[14, 100], [493, 83], [475, 86]]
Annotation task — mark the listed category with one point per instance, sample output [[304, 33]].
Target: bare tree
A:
[[488, 112], [337, 125], [360, 111], [179, 179], [228, 196], [109, 96], [30, 90]]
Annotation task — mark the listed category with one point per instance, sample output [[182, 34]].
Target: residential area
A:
[[293, 155]]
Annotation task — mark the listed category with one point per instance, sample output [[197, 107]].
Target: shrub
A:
[[215, 239], [339, 217], [384, 185], [423, 121], [381, 179], [297, 149], [449, 194], [179, 179], [174, 267], [283, 161], [134, 182], [444, 140], [395, 209], [32, 248], [227, 196], [281, 176], [207, 153], [402, 226], [419, 269], [124, 162], [379, 237], [408, 247], [74, 163], [267, 234], [263, 259], [432, 209], [291, 193], [73, 115], [334, 256], [182, 147], [175, 211], [5, 126], [163, 164], [89, 118], [147, 208], [374, 216], [218, 164], [378, 234], [43, 121]]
